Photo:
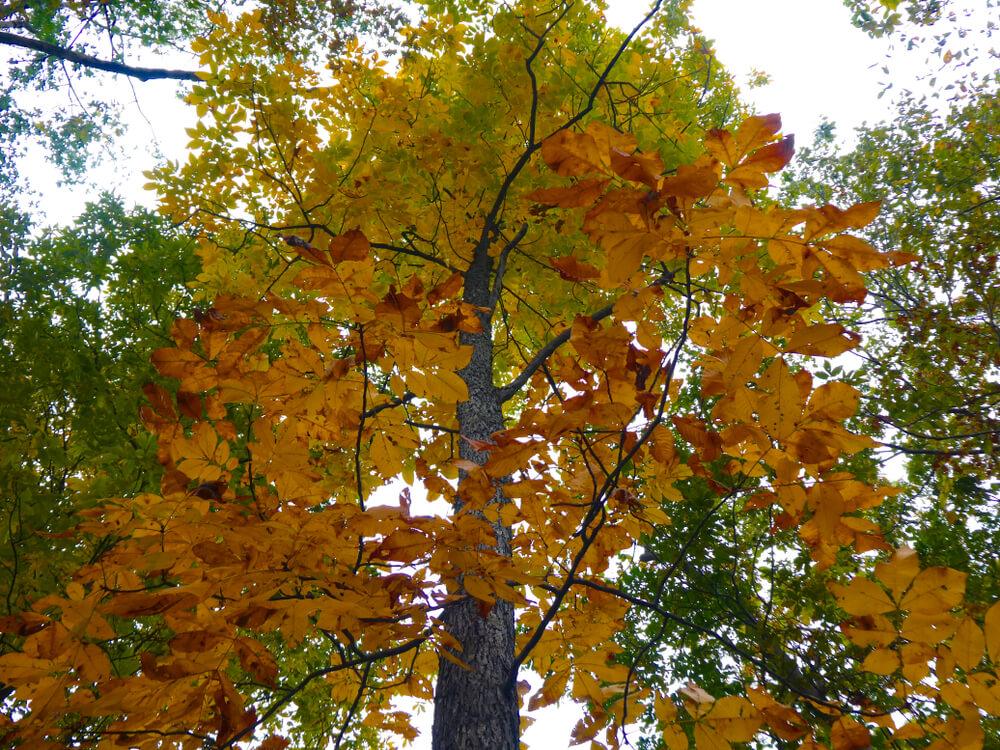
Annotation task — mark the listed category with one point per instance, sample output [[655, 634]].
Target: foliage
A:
[[532, 269], [882, 17], [56, 45], [75, 329], [930, 353]]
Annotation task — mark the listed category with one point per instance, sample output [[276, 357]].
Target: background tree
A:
[[75, 332], [926, 374], [53, 47]]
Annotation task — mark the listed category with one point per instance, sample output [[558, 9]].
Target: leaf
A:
[[735, 719], [174, 363], [935, 590], [753, 132], [143, 604], [848, 734], [881, 661], [991, 629], [985, 689], [691, 181], [968, 644], [837, 401], [274, 742], [447, 289], [479, 589], [349, 246], [551, 691], [196, 641], [862, 597], [571, 269], [771, 158], [257, 660], [582, 193], [693, 430], [900, 571], [823, 340], [570, 154]]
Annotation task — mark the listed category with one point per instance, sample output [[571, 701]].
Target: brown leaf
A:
[[351, 245], [823, 340], [573, 270], [582, 193], [257, 660]]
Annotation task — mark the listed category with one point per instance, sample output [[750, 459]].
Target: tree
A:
[[75, 330], [502, 269], [925, 369], [57, 46]]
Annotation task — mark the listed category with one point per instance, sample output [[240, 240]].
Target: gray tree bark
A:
[[476, 709]]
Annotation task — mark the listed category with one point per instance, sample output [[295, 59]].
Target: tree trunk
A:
[[475, 709]]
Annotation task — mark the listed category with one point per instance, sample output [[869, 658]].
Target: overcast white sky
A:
[[819, 65]]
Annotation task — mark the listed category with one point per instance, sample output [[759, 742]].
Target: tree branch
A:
[[96, 63], [502, 264], [543, 354]]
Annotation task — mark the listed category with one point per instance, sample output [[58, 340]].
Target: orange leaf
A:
[[771, 158], [693, 430]]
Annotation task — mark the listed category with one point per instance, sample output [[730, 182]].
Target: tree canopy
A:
[[506, 378], [54, 47]]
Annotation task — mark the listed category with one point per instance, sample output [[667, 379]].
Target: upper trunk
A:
[[475, 709]]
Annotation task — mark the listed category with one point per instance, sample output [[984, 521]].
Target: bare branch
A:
[[96, 63], [502, 264], [543, 354]]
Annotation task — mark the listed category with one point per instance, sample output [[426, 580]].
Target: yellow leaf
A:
[[736, 719], [862, 597], [911, 731], [674, 737], [985, 689], [836, 401], [991, 626], [881, 661], [478, 588], [706, 738], [551, 691], [900, 571], [968, 644], [958, 696], [848, 734], [935, 590]]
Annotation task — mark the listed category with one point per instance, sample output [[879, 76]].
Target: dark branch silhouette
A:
[[89, 61]]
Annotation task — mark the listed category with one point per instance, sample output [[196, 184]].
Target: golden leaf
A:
[[862, 597], [968, 644]]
